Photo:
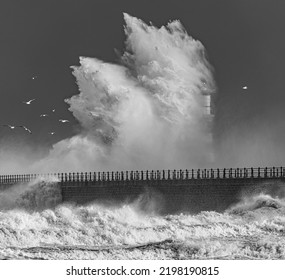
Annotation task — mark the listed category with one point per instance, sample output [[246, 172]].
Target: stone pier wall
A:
[[167, 191], [172, 196]]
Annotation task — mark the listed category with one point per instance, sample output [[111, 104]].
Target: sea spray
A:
[[145, 113], [43, 194], [261, 204], [33, 230], [270, 194], [148, 112], [114, 225], [37, 194]]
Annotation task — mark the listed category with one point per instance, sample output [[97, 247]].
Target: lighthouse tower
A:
[[209, 115], [207, 105]]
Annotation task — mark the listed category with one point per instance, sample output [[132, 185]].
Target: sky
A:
[[244, 40]]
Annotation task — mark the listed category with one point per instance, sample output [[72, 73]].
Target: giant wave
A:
[[36, 228]]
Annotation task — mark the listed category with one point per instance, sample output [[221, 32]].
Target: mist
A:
[[148, 112]]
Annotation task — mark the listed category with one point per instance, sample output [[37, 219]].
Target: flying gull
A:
[[244, 87], [11, 126], [14, 126], [28, 102], [63, 121], [25, 128], [44, 115]]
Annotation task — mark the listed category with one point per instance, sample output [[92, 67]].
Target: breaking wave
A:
[[148, 112], [35, 195], [37, 225]]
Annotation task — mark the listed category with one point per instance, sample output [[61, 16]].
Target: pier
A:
[[169, 191]]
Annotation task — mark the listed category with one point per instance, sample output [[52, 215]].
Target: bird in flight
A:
[[28, 102], [53, 110], [14, 126], [11, 126], [44, 115], [52, 133], [244, 87], [25, 128], [63, 121]]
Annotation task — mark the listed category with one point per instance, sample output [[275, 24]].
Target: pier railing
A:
[[186, 174]]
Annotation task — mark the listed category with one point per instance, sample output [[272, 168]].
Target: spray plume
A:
[[146, 112]]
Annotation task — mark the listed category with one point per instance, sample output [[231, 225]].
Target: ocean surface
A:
[[35, 224]]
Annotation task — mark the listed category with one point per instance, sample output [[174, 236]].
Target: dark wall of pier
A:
[[166, 191], [172, 196]]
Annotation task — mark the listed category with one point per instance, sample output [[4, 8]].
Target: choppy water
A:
[[34, 224]]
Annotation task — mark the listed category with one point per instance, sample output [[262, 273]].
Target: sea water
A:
[[35, 224]]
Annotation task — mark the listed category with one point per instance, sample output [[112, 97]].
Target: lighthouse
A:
[[209, 116]]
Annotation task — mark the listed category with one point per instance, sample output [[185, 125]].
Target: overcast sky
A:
[[244, 39]]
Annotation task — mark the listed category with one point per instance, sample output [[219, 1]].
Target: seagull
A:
[[28, 102], [34, 77], [53, 110], [14, 126], [244, 87], [25, 128], [64, 121], [52, 133], [44, 115], [11, 126]]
